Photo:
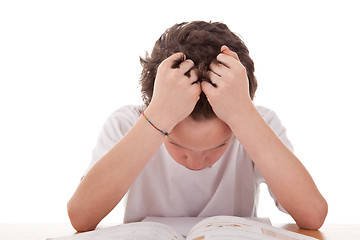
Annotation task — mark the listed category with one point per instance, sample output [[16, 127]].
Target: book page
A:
[[229, 227], [183, 225], [130, 231]]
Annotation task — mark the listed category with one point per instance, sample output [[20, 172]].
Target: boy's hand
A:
[[175, 94], [231, 91]]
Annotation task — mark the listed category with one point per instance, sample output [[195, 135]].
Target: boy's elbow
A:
[[79, 222], [315, 218]]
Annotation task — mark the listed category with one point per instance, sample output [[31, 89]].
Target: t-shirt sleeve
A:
[[275, 124], [115, 127]]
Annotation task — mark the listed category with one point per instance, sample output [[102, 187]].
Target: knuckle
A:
[[189, 61]]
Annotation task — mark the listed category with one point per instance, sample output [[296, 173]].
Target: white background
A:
[[66, 65]]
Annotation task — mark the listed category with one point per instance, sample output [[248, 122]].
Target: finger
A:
[[197, 89], [217, 68], [227, 60], [215, 78], [173, 59], [207, 88], [227, 51], [186, 65], [194, 76]]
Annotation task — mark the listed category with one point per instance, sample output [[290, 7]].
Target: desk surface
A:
[[34, 231], [328, 231]]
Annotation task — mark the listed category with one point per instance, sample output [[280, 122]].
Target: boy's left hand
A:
[[231, 93]]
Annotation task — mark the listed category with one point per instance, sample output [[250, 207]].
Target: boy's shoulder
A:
[[127, 112], [271, 118], [264, 111], [128, 109], [123, 118]]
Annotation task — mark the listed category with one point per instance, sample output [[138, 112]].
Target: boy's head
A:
[[201, 42]]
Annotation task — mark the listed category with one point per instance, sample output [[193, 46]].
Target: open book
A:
[[215, 228]]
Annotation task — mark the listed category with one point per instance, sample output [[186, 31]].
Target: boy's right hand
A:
[[175, 94]]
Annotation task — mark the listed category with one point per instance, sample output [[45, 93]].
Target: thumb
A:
[[227, 51]]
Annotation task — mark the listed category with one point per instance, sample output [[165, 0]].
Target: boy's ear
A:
[[227, 51]]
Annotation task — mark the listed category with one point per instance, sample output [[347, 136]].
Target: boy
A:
[[197, 85]]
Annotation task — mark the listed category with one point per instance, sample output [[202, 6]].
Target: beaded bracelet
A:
[[163, 132]]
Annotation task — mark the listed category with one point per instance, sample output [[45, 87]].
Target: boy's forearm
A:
[[110, 178], [288, 179]]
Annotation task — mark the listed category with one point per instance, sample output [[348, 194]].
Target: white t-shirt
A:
[[166, 188]]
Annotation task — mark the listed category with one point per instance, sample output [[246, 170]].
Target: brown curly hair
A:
[[201, 42]]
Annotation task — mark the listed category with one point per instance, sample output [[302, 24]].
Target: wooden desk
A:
[[34, 231]]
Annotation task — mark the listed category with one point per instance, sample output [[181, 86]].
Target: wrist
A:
[[159, 119], [242, 114]]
